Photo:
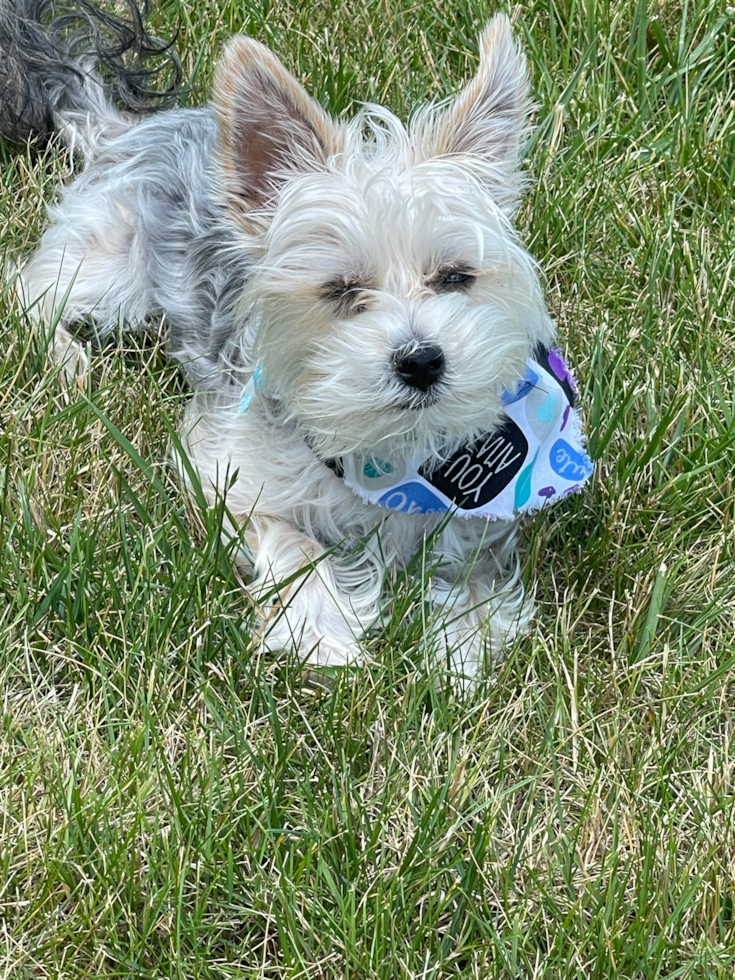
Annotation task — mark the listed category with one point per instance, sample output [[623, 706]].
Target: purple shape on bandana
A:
[[547, 491], [566, 417], [559, 366]]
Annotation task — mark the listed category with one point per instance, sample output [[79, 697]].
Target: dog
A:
[[348, 301]]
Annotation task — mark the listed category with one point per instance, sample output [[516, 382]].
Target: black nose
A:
[[421, 367]]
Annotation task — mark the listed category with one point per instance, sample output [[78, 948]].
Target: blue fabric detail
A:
[[523, 485], [412, 498], [254, 384], [526, 384], [375, 468], [567, 462], [547, 409]]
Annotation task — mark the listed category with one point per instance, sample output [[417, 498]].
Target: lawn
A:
[[175, 804]]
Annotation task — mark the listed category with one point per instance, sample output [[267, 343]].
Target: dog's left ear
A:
[[488, 120], [270, 128]]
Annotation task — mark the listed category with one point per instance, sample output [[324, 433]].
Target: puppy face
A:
[[390, 303]]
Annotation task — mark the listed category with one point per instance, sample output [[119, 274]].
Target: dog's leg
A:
[[84, 267], [286, 506], [303, 600], [477, 619], [79, 271], [69, 354], [479, 606], [64, 349]]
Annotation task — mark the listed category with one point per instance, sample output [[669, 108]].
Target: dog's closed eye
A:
[[348, 296]]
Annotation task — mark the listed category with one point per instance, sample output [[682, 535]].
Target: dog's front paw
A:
[[307, 618], [70, 355], [314, 648], [286, 628], [474, 627]]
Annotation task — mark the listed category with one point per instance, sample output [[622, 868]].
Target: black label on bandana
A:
[[476, 474]]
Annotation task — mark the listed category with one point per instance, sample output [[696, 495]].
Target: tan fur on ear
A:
[[270, 127], [489, 117]]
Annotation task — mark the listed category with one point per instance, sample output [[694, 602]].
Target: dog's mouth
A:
[[419, 406], [419, 401]]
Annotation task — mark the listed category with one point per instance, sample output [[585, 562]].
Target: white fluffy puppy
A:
[[366, 273]]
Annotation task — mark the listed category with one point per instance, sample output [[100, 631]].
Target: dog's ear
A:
[[270, 128], [488, 120]]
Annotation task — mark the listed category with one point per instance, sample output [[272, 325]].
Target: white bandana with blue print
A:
[[534, 456]]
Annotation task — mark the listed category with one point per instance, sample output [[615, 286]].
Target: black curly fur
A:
[[49, 50]]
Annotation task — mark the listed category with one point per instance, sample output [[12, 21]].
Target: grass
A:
[[172, 804]]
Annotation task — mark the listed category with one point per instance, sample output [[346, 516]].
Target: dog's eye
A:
[[347, 296], [451, 280]]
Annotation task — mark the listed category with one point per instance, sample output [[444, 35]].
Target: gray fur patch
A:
[[57, 59]]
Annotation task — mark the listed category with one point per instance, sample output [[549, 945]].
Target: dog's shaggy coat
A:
[[330, 255]]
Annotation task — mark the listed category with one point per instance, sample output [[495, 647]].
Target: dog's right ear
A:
[[488, 120], [270, 128]]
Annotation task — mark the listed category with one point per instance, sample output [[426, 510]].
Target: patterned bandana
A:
[[536, 455]]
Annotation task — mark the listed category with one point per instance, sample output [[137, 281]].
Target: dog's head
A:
[[391, 302]]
